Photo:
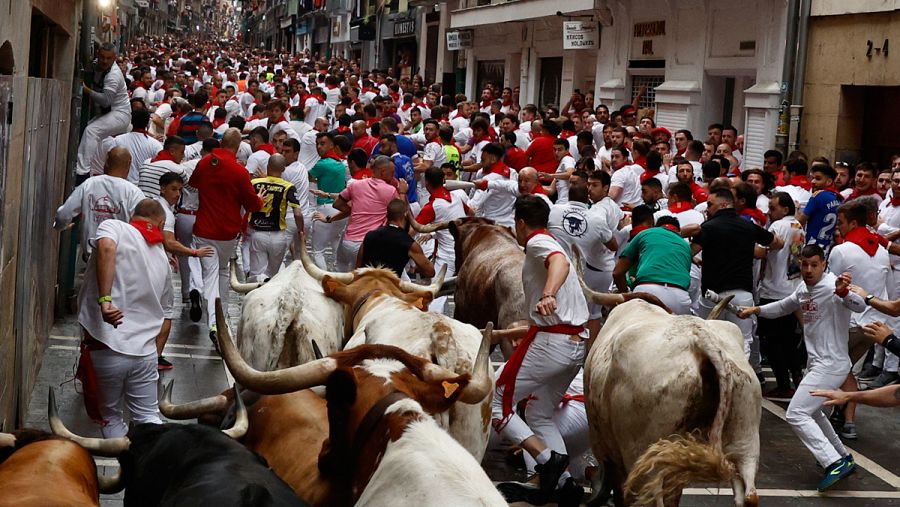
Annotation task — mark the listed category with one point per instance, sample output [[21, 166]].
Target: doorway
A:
[[551, 81]]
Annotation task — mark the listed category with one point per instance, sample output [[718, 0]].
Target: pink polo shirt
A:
[[369, 199]]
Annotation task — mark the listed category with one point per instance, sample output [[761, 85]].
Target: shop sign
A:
[[404, 27], [463, 39], [580, 35], [649, 29]]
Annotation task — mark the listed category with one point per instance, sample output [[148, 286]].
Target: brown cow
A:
[[37, 468], [488, 274]]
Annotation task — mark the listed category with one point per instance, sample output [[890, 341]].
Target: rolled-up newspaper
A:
[[716, 298]]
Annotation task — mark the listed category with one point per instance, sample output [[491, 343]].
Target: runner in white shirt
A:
[[504, 189], [433, 154], [189, 267], [99, 198], [122, 342], [138, 142], [315, 106], [549, 356], [298, 175], [309, 154], [825, 303], [625, 187], [601, 261], [248, 98], [563, 171]]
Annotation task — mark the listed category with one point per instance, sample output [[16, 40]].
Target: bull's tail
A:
[[669, 465]]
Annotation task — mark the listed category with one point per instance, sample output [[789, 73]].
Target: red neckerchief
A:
[[671, 227], [151, 233], [486, 103], [866, 239], [895, 200], [801, 181], [756, 214], [331, 87], [163, 155], [565, 134], [856, 193], [440, 193], [833, 189], [376, 91], [218, 123], [507, 103], [332, 155], [641, 161], [268, 148], [371, 121], [140, 84], [492, 134], [680, 206], [538, 190], [140, 131], [637, 230], [647, 174], [362, 174], [406, 107], [394, 96], [499, 168], [342, 129]]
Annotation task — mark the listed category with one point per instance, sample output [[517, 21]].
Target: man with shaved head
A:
[[103, 197], [269, 238], [223, 187], [361, 137]]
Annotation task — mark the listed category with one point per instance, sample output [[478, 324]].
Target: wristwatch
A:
[[869, 299]]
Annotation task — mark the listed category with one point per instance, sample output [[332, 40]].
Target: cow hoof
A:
[[522, 492]]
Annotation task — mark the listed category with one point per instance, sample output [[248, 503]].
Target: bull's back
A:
[[288, 430], [489, 287], [49, 473]]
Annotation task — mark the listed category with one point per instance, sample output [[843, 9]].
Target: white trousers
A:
[[129, 378], [216, 278], [245, 252], [325, 235], [346, 255], [439, 305], [548, 368], [805, 416], [293, 237], [741, 298], [599, 281], [571, 419], [188, 267], [678, 300], [267, 253], [101, 127]]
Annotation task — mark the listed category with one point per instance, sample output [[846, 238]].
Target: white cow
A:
[[671, 400], [382, 310], [280, 318]]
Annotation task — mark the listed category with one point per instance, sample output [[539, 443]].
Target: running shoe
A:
[[848, 432], [163, 364], [214, 337], [196, 311], [837, 471], [551, 471]]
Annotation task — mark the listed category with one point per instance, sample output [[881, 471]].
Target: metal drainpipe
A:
[[787, 71], [799, 74]]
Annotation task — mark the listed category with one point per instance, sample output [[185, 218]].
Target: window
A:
[[648, 100]]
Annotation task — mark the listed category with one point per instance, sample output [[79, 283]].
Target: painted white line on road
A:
[[106, 462], [866, 463], [168, 354], [794, 493]]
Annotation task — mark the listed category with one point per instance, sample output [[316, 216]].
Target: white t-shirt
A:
[[608, 213], [316, 110], [782, 273], [99, 198], [141, 146], [874, 274], [434, 152], [139, 289], [573, 223], [308, 153], [627, 179], [258, 162], [169, 225], [298, 175], [562, 186], [889, 215], [571, 307], [800, 195]]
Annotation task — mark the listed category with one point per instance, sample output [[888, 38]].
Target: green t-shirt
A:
[[661, 256], [331, 177]]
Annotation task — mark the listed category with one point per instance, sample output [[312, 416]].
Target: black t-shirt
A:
[[387, 246], [728, 242]]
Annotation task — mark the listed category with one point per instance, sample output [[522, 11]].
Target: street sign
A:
[[463, 39], [580, 35]]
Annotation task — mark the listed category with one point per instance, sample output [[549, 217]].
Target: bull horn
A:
[[481, 383], [241, 423], [241, 288], [318, 273], [720, 307], [108, 447], [600, 298], [434, 288], [317, 352], [7, 440], [448, 288], [428, 228], [288, 380], [191, 410], [110, 484]]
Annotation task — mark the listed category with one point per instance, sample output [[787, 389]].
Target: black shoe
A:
[[570, 494], [762, 379], [870, 372], [522, 492], [213, 337], [551, 471], [886, 378], [163, 364], [196, 311], [837, 418]]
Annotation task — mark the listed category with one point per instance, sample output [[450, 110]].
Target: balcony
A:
[[505, 11]]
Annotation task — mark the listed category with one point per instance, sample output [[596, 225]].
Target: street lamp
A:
[[104, 4]]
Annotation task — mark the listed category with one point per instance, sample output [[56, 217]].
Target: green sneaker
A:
[[837, 471]]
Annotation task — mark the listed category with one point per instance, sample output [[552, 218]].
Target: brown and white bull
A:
[[38, 469], [380, 309], [488, 274], [279, 318], [381, 446], [671, 400]]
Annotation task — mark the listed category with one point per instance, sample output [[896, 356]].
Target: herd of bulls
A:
[[397, 412]]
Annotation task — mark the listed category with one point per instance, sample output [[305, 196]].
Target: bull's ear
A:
[[340, 388], [333, 288], [453, 227], [439, 395], [419, 299]]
